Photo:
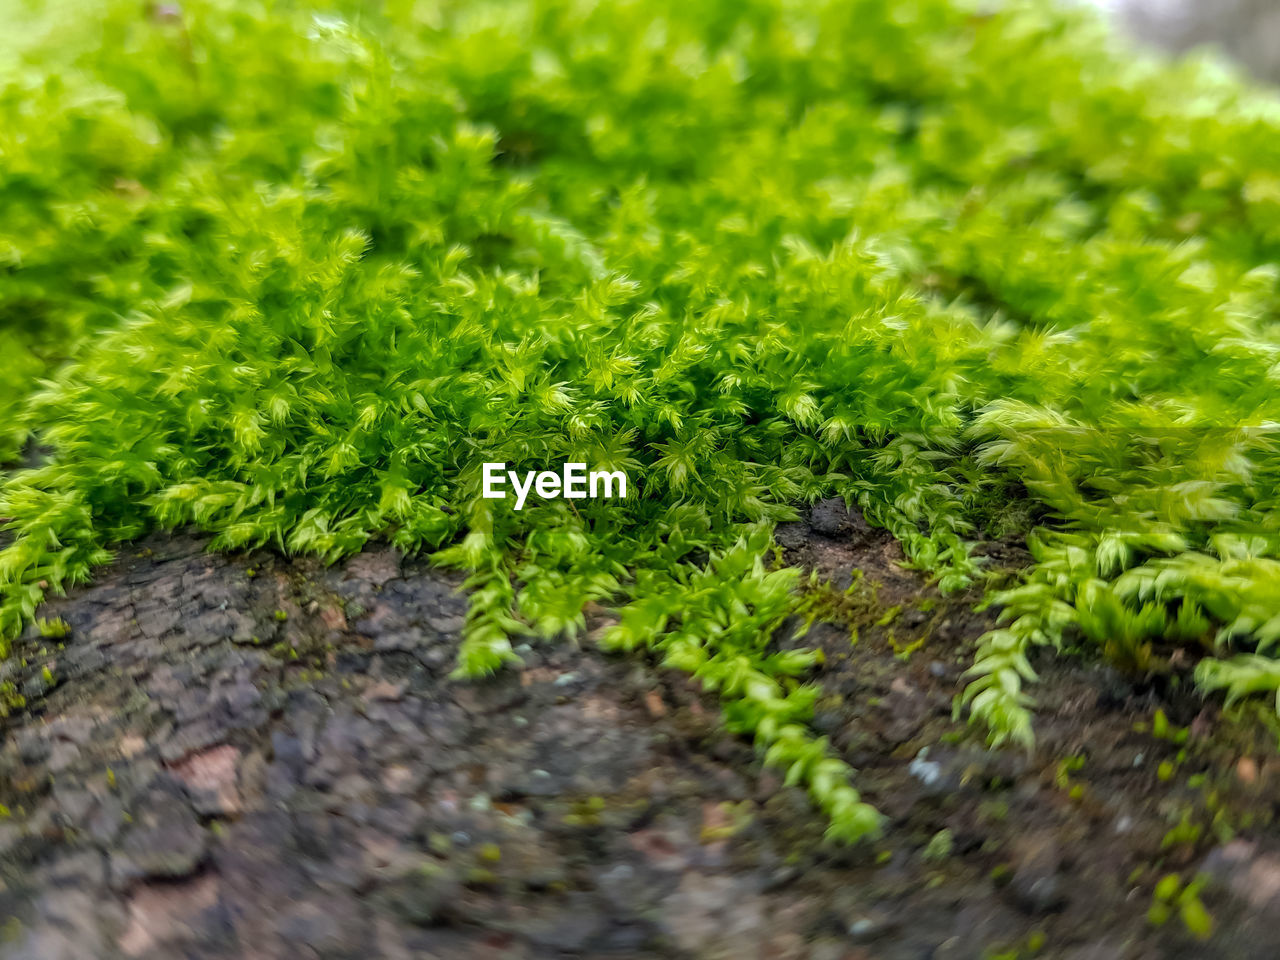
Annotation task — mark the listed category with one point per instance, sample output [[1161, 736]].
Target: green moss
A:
[[903, 650], [1170, 896], [291, 275], [1067, 767], [939, 847], [993, 811], [586, 812], [10, 699], [1186, 832], [11, 930], [57, 629], [889, 616]]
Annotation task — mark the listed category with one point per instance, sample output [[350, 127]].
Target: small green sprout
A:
[[939, 847], [1170, 896], [56, 629]]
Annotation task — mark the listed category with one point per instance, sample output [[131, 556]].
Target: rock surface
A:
[[252, 757]]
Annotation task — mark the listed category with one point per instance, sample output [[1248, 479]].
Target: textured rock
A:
[[231, 784]]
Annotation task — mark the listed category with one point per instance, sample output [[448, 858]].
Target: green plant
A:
[[290, 274], [56, 629], [1170, 895], [939, 847]]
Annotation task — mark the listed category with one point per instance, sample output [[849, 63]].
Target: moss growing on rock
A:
[[294, 275]]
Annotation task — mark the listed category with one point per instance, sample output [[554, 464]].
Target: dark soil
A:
[[254, 757]]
